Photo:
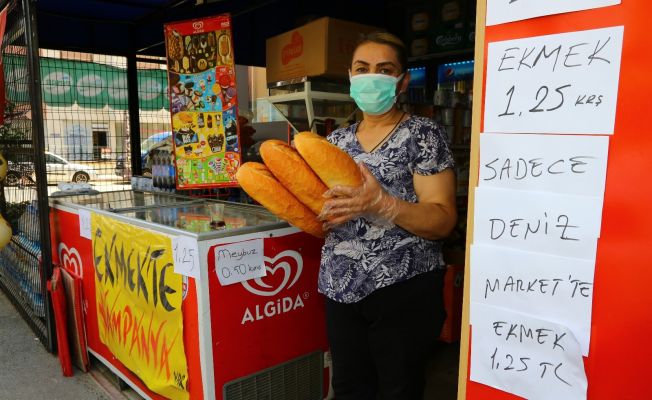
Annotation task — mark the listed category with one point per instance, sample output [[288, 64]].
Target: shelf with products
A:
[[312, 105], [443, 92]]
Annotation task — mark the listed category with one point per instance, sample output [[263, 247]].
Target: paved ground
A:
[[441, 373], [29, 372]]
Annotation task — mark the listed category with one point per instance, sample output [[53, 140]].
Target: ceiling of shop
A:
[[123, 27]]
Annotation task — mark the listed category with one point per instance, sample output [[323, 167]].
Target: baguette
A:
[[257, 180], [294, 173], [330, 163]]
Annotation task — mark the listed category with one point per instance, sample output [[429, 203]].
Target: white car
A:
[[61, 170]]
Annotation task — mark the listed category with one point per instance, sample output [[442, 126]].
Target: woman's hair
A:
[[387, 39]]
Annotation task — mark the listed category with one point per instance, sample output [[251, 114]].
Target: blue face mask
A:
[[375, 94]]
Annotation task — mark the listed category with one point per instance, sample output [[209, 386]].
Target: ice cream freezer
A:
[[190, 298]]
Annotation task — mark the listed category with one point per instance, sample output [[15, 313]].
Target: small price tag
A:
[[186, 256], [238, 262], [85, 224]]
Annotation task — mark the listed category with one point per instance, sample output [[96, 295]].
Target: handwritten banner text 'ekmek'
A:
[[527, 356], [564, 83]]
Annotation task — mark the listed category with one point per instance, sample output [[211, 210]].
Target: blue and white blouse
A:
[[360, 256]]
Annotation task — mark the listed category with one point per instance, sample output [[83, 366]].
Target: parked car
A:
[[20, 169], [146, 145], [61, 170]]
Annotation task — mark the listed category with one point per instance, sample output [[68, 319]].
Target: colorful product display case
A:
[[203, 102]]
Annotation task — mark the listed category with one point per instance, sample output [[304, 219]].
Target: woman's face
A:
[[375, 58]]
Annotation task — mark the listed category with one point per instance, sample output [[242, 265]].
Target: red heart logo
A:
[[289, 261], [70, 259]]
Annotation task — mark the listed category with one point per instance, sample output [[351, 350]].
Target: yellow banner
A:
[[139, 299]]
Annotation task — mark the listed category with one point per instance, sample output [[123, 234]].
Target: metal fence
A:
[[71, 110], [25, 263], [86, 116]]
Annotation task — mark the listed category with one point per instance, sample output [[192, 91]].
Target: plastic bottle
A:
[[156, 171], [172, 170]]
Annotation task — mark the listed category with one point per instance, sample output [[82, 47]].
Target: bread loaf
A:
[[294, 173], [257, 180], [332, 165]]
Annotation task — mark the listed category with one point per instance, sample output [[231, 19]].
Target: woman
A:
[[382, 267]]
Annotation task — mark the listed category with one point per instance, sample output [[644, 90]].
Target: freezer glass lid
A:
[[127, 199], [206, 217]]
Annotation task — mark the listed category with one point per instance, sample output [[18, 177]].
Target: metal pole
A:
[[134, 117], [38, 137]]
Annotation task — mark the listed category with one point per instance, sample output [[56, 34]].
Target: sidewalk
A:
[[29, 372]]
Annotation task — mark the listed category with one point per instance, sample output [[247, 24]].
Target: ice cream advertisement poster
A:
[[203, 102]]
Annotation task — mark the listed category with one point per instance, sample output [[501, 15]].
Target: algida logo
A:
[[288, 263]]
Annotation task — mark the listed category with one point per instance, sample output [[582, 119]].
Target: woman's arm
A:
[[435, 214], [432, 217]]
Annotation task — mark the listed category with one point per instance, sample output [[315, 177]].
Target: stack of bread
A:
[[291, 183]]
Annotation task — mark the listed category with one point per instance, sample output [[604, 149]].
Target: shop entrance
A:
[[99, 144]]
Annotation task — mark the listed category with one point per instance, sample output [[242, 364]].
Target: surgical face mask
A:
[[375, 94]]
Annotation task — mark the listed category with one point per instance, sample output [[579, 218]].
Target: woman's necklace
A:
[[388, 134]]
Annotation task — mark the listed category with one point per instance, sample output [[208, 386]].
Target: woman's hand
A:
[[369, 200]]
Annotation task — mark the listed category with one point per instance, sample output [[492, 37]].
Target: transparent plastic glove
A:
[[369, 200]]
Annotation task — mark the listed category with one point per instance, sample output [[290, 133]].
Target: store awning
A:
[[125, 27]]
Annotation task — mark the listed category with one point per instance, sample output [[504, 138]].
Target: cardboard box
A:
[[323, 47]]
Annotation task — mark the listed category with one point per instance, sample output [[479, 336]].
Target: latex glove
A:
[[369, 200]]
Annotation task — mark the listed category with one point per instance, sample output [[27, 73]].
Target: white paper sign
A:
[[238, 262], [564, 225], [551, 163], [185, 252], [557, 289], [527, 356], [84, 223], [563, 83], [502, 11]]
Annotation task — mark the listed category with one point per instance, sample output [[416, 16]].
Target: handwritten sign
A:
[[558, 289], [84, 223], [139, 300], [565, 225], [185, 253], [238, 262], [563, 83], [502, 11], [527, 356], [551, 163]]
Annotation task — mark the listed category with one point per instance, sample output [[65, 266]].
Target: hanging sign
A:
[[203, 102]]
